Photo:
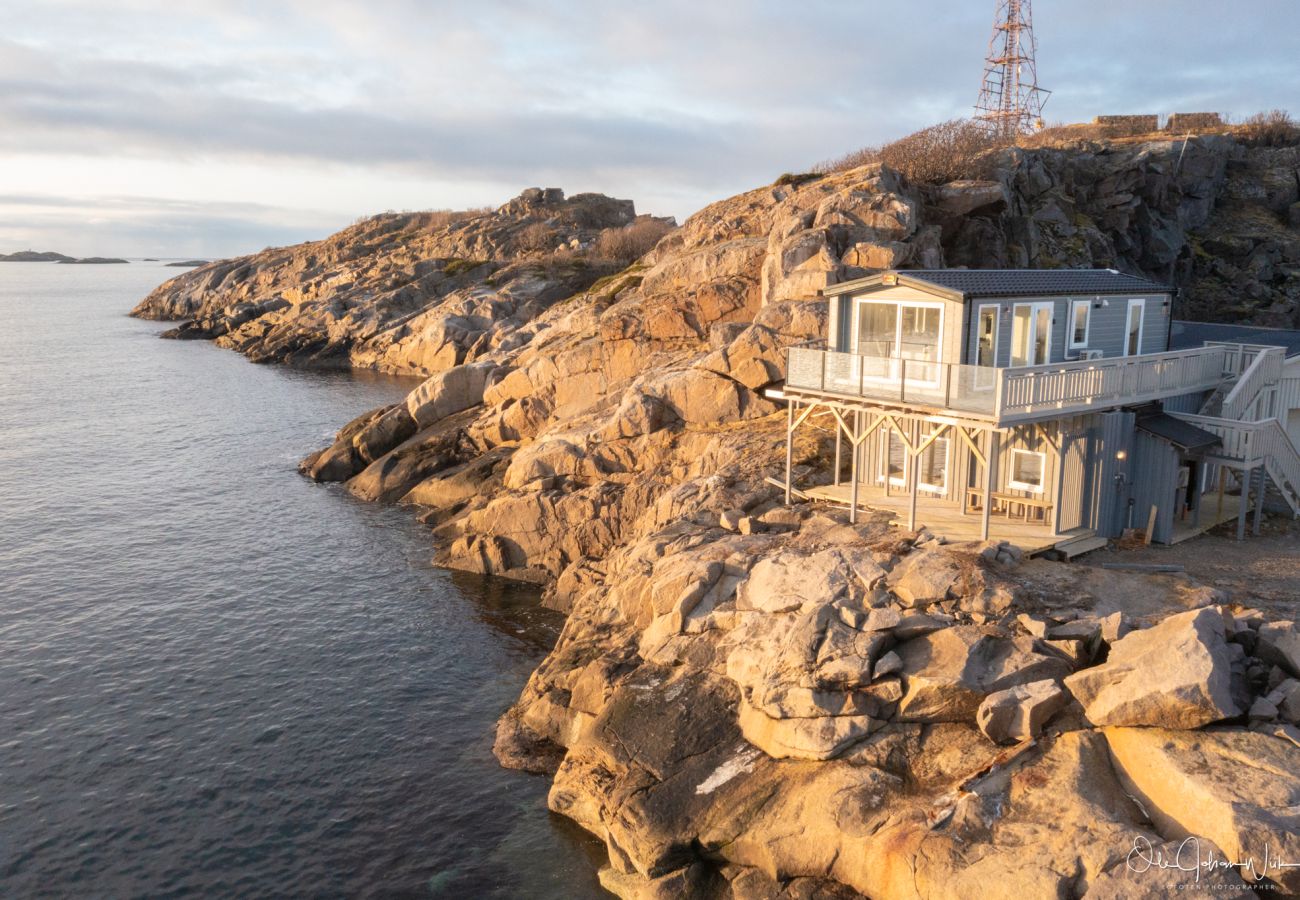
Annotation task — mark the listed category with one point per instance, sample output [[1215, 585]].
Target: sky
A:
[[218, 127]]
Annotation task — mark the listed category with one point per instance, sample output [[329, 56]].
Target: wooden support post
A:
[[1059, 456], [789, 447], [914, 476], [853, 467], [1259, 500], [839, 440], [1199, 488], [1243, 506], [1221, 471], [990, 468]]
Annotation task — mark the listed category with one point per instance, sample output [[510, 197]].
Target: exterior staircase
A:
[[1234, 411]]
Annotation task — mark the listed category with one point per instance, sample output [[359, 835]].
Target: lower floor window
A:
[[893, 464], [934, 466], [1027, 468]]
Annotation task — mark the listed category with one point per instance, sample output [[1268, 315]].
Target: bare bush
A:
[[1274, 128], [944, 152], [538, 238], [631, 242], [440, 218]]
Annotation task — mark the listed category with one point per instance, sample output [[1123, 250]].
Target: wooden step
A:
[[1080, 545]]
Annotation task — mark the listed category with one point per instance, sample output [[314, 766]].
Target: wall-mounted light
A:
[[1121, 455]]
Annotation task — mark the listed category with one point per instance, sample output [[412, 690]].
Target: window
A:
[[1027, 467], [893, 330], [1080, 321], [986, 348], [893, 462], [1133, 328], [933, 474], [1031, 334]]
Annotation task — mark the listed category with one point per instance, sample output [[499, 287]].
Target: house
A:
[[1043, 407]]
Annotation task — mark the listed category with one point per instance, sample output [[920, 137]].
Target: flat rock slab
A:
[[1239, 789]]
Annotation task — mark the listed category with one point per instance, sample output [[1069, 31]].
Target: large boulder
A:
[[1018, 713], [1240, 789], [448, 392], [1176, 674], [1279, 644], [925, 577], [948, 673]]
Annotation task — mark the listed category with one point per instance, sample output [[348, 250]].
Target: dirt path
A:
[[1263, 572]]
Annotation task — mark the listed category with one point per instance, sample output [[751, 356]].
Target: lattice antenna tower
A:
[[1010, 100]]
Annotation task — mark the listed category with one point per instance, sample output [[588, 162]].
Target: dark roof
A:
[[963, 284], [1183, 435], [1186, 335]]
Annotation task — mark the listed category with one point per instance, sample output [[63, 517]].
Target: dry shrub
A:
[[440, 218], [945, 152], [538, 238], [1274, 128], [630, 242]]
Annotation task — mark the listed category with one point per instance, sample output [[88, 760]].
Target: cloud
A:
[[153, 226], [673, 104]]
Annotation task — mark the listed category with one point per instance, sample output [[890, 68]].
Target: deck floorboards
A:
[[945, 518]]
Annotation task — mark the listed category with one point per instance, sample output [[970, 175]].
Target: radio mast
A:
[[1010, 100]]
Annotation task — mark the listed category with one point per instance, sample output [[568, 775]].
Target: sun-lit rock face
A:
[[754, 700]]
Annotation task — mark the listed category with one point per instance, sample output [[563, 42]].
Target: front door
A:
[[1031, 334], [1133, 327]]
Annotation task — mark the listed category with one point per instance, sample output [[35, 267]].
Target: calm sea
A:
[[217, 678]]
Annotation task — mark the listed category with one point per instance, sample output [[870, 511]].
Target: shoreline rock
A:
[[746, 695]]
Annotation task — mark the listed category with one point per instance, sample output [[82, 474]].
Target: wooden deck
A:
[[945, 518]]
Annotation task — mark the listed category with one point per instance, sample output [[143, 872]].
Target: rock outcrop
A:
[[749, 699]]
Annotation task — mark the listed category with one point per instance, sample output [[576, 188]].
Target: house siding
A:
[[1106, 330]]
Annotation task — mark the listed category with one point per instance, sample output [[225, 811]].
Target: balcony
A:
[[1007, 396]]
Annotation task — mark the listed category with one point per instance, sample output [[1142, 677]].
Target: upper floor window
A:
[[1080, 321]]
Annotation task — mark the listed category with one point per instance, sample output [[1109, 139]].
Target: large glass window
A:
[[877, 328], [1027, 470]]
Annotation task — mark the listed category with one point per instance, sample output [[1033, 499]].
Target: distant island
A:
[[190, 263], [51, 256], [34, 256]]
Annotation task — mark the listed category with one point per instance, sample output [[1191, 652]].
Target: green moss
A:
[[456, 267]]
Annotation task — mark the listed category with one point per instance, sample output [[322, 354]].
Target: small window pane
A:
[[1027, 470]]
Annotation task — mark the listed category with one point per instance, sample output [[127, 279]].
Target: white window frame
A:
[[942, 487], [1035, 307], [1087, 325], [1141, 305], [1023, 485], [894, 370]]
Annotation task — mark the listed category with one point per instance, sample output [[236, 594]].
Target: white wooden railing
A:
[[1007, 395], [1264, 370], [1252, 444]]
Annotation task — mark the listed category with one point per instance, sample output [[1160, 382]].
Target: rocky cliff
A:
[[755, 701]]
